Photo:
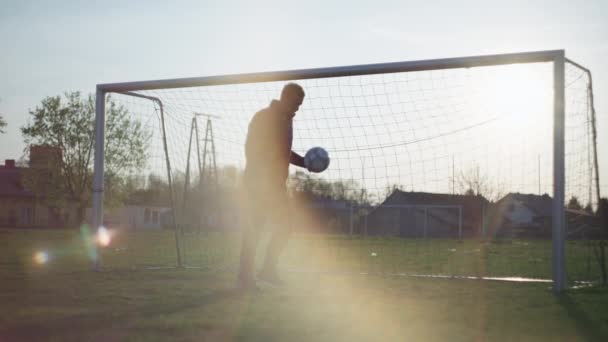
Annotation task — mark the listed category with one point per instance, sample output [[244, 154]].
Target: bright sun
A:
[[521, 92]]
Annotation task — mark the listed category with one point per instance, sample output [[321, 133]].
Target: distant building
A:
[[20, 205], [520, 215], [420, 214], [529, 215], [17, 204]]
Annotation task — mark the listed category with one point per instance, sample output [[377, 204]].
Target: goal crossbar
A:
[[352, 70]]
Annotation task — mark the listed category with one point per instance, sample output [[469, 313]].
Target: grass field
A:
[[370, 255], [61, 299]]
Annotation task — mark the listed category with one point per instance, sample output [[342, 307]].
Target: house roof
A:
[[428, 198], [578, 212], [469, 203], [540, 205]]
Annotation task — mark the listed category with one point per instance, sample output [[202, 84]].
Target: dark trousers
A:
[[264, 204]]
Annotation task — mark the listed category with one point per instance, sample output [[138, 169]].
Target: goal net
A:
[[459, 155]]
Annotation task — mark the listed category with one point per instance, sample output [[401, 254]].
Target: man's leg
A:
[[249, 245], [280, 236]]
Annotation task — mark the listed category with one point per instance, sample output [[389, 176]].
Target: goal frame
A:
[[557, 57]]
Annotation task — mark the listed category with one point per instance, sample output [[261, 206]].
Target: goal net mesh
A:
[[476, 140]]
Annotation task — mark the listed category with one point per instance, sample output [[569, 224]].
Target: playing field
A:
[[337, 290], [529, 258]]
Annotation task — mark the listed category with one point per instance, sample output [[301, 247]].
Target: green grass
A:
[[380, 255], [64, 300]]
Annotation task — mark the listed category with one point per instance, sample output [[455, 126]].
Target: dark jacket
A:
[[268, 147]]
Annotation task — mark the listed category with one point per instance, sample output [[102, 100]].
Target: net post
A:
[[460, 222], [483, 221], [351, 222], [98, 171], [558, 216], [425, 221], [170, 182]]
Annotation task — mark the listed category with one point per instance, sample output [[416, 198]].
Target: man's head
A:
[[292, 97]]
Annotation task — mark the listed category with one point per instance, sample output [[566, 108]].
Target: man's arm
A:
[[296, 159]]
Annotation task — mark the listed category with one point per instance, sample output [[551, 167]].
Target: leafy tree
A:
[[154, 192], [2, 124], [68, 123], [574, 203], [347, 190]]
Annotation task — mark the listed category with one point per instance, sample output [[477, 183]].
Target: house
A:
[[151, 207], [18, 207], [581, 224], [528, 215], [21, 206], [518, 214], [422, 214]]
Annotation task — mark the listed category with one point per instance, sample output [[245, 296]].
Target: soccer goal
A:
[[460, 152]]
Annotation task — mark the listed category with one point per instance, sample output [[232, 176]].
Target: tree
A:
[[68, 123], [2, 124], [574, 203], [347, 190], [472, 182], [154, 192], [602, 213]]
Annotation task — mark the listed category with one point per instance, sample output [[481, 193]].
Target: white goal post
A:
[[556, 57]]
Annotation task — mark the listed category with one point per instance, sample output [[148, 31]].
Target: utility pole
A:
[[208, 175]]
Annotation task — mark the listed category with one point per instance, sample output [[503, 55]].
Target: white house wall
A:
[[521, 215]]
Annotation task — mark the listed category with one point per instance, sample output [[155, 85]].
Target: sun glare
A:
[[41, 257], [520, 93], [103, 236]]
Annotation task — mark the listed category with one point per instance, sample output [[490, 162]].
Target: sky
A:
[[49, 47]]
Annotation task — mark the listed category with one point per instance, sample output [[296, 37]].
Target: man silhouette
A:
[[268, 153]]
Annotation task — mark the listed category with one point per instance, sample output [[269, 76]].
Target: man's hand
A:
[[296, 159]]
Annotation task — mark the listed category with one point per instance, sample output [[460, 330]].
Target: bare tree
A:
[[574, 203], [473, 182]]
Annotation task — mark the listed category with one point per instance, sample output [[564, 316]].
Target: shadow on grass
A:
[[145, 321], [195, 302], [589, 328], [214, 316]]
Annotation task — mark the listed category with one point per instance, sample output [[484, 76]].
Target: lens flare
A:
[[103, 237], [88, 240], [41, 257]]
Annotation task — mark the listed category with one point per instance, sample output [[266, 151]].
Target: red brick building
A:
[[20, 206]]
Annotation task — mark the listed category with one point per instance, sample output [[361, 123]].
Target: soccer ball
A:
[[316, 159]]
